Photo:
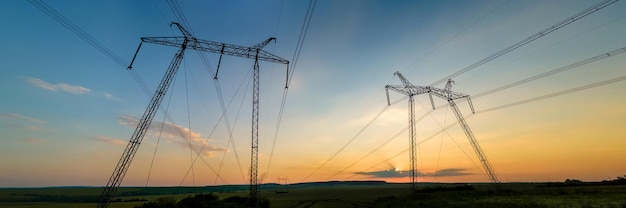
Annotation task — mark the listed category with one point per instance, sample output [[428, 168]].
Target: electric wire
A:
[[296, 55], [247, 77], [303, 32], [554, 71], [425, 140], [529, 39], [455, 36], [352, 139], [58, 17], [445, 119], [198, 153], [555, 94], [156, 147], [193, 173], [443, 130], [369, 153], [282, 104], [180, 15], [550, 46]]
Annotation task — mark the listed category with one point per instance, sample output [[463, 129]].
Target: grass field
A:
[[342, 195]]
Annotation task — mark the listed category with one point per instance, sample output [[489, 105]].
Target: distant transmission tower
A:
[[410, 90], [283, 184]]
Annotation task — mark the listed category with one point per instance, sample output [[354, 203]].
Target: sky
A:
[[68, 110]]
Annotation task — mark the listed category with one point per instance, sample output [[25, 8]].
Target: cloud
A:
[[394, 173], [389, 173], [35, 140], [29, 128], [451, 172], [176, 134], [110, 140], [74, 89], [111, 97], [15, 116]]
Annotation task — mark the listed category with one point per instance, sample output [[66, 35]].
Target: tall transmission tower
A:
[[188, 41], [410, 90]]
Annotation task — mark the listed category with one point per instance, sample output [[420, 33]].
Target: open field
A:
[[343, 195]]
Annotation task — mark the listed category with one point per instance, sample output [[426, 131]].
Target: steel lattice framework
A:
[[411, 90], [188, 41]]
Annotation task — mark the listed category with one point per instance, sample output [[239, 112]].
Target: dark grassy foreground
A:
[[343, 194]]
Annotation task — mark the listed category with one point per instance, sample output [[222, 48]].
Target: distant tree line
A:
[[620, 180]]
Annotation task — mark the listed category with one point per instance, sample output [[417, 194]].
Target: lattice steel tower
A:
[[410, 90], [188, 41]]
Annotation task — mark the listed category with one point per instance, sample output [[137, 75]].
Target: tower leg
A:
[[412, 142], [254, 163]]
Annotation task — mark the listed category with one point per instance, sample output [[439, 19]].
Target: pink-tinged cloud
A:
[[35, 140], [15, 116], [180, 135], [74, 89], [110, 140]]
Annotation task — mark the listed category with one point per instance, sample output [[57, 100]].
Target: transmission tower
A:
[[188, 41], [410, 90]]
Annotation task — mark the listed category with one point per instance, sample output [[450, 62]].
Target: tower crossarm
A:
[[448, 95], [408, 90], [219, 48], [264, 43]]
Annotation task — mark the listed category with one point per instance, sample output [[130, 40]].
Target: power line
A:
[[457, 34], [527, 40], [303, 32], [58, 17], [552, 45], [180, 16], [296, 55], [552, 72], [555, 94], [352, 139], [235, 122]]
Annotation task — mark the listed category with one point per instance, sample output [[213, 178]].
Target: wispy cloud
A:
[[389, 173], [111, 97], [172, 131], [25, 127], [74, 89], [35, 140], [394, 173], [451, 172], [110, 140], [15, 116]]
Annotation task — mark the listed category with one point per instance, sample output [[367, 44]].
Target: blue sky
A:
[[68, 110]]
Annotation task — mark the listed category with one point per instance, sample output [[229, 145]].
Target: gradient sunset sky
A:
[[67, 110]]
